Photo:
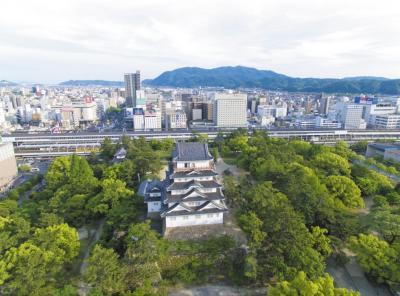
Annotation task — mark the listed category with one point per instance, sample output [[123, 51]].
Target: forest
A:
[[297, 203]]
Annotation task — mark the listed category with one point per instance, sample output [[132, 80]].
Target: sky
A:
[[49, 41]]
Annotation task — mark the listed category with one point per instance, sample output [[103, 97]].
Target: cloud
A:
[[50, 41]]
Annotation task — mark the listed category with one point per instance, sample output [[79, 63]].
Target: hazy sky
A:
[[55, 40]]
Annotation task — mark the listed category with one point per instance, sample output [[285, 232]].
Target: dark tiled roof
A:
[[194, 210], [191, 174], [207, 196], [193, 183], [151, 186], [191, 151], [382, 146], [183, 213]]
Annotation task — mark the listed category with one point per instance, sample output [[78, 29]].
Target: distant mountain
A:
[[7, 83], [244, 77], [365, 78], [91, 83]]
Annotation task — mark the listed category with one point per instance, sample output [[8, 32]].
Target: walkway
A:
[[352, 277], [219, 290]]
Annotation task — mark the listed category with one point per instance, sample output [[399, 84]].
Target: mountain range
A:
[[245, 77], [7, 83]]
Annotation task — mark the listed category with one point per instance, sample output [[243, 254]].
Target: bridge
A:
[[50, 145]]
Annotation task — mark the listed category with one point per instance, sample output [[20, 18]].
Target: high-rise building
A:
[[324, 105], [132, 84], [230, 110]]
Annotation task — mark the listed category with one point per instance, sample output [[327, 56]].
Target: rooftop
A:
[[191, 151], [384, 146]]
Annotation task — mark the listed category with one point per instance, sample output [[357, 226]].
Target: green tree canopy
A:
[[302, 286], [377, 257], [105, 272], [345, 190]]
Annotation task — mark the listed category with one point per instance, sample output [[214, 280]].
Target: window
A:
[[210, 215], [185, 217], [172, 218], [198, 216], [155, 203]]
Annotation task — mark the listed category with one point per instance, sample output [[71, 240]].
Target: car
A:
[[33, 170]]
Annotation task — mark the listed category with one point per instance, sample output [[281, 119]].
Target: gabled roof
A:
[[179, 209], [192, 184], [151, 186], [194, 173], [211, 205], [191, 151], [190, 197]]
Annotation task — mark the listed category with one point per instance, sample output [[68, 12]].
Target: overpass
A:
[[49, 145]]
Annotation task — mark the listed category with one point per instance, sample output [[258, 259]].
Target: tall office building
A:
[[230, 110], [132, 84], [324, 105]]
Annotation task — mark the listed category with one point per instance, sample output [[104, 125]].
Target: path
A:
[[221, 166], [93, 239], [219, 290], [351, 276]]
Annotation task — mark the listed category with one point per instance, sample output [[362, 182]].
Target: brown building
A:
[[8, 165]]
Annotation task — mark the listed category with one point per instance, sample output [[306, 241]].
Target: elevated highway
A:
[[46, 144]]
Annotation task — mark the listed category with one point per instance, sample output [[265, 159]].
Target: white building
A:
[[191, 194], [373, 110], [272, 110], [230, 110], [350, 115], [152, 120], [321, 122], [176, 119], [388, 121]]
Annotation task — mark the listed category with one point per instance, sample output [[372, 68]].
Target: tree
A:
[[345, 190], [377, 257], [107, 149], [360, 147], [332, 164], [287, 246], [57, 174], [387, 223], [301, 285], [113, 191], [73, 172], [32, 270], [304, 189], [61, 240], [104, 271], [13, 231], [145, 249], [322, 243]]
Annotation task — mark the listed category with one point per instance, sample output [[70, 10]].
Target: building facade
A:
[[132, 84], [8, 165], [230, 110]]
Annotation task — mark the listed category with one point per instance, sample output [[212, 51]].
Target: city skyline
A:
[[49, 42]]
